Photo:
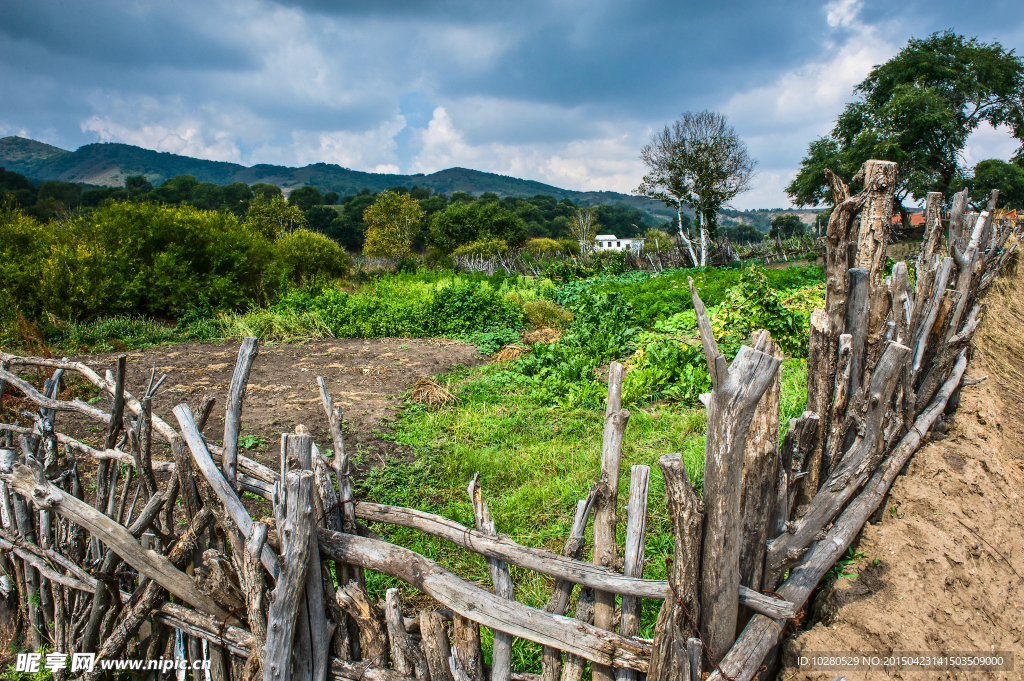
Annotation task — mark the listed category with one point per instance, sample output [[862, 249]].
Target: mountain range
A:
[[108, 164]]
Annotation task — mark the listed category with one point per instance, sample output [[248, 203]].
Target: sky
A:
[[563, 92]]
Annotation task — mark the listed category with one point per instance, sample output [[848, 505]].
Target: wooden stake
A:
[[233, 419], [737, 390]]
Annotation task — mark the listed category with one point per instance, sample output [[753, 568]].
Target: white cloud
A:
[[366, 150], [988, 142], [603, 163], [779, 119], [187, 137]]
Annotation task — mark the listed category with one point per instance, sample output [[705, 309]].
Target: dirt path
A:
[[366, 377], [943, 560]]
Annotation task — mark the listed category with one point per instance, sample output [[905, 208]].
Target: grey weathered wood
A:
[[13, 380], [681, 610], [879, 179], [760, 473], [30, 481], [253, 582], [204, 412], [575, 664], [297, 452], [225, 494], [435, 645], [551, 660], [468, 658], [145, 460], [850, 472], [504, 549], [929, 313], [405, 653], [117, 409], [737, 390], [482, 606], [633, 557], [233, 418], [373, 631], [694, 656], [294, 512], [138, 609], [794, 453], [856, 325], [762, 633], [501, 655], [605, 520]]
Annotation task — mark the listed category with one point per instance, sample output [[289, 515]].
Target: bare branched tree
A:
[[698, 162], [583, 227]]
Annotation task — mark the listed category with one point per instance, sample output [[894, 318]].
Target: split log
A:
[[30, 481], [436, 647], [736, 391], [605, 547], [551, 661], [468, 659], [295, 523], [298, 449], [633, 563], [233, 418], [254, 584], [484, 607], [501, 654], [760, 473], [575, 664], [504, 549], [852, 470], [680, 613], [762, 633], [406, 653], [373, 631], [819, 398]]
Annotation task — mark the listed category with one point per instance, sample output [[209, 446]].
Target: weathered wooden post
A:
[[605, 548], [737, 390]]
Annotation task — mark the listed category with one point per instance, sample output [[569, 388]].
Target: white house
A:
[[610, 242]]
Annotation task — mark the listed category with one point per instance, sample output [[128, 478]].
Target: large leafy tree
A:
[[1008, 178], [698, 162], [918, 109], [391, 223]]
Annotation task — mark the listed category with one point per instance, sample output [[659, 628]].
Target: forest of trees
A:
[[340, 218]]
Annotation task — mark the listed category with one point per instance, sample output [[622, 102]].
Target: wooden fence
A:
[[286, 598]]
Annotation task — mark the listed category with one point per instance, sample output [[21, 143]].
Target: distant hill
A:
[[109, 164]]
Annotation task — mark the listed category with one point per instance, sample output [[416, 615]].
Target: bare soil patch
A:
[[943, 565], [366, 377]]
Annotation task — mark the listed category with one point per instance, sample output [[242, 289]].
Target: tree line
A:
[[465, 217]]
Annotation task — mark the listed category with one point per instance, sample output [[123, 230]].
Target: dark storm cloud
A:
[[557, 91]]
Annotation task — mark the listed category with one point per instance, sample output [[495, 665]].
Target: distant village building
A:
[[610, 242]]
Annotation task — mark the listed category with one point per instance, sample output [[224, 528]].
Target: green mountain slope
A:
[[110, 164]]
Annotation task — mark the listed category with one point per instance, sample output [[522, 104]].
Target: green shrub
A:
[[665, 368], [486, 248], [307, 258], [462, 308], [129, 258], [753, 305]]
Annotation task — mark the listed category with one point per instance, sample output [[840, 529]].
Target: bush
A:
[[486, 248], [129, 258], [462, 308], [307, 258]]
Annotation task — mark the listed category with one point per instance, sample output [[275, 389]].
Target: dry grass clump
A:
[[431, 393], [547, 335], [510, 352]]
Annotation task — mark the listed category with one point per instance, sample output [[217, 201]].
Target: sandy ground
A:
[[943, 559]]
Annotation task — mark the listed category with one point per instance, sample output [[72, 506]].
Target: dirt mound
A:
[[942, 562]]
